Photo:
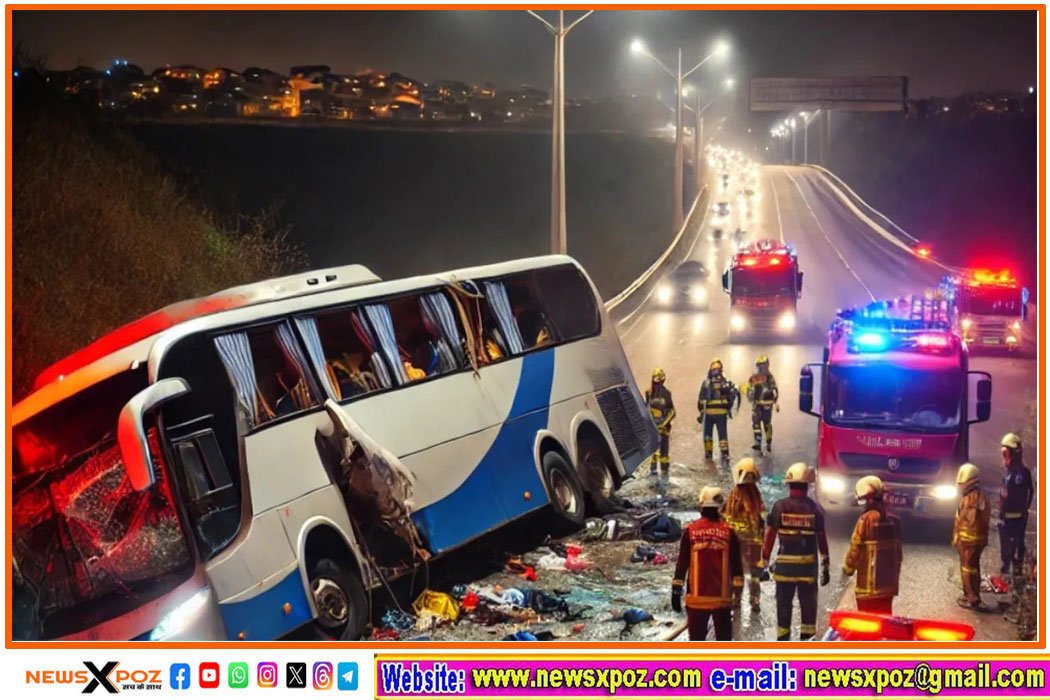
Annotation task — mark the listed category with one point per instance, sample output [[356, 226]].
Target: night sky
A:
[[943, 53]]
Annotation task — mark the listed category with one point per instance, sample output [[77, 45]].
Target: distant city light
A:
[[947, 108], [1031, 89], [109, 72], [16, 73]]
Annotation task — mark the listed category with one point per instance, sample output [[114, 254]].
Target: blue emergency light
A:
[[870, 341]]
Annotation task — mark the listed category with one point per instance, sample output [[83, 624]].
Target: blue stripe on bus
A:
[[494, 493], [262, 616]]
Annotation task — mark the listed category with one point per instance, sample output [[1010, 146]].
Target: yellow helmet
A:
[[869, 487], [762, 360], [716, 363], [711, 497], [800, 473], [659, 375], [745, 472], [968, 474], [1011, 441]]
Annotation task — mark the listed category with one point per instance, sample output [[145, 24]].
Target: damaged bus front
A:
[[250, 464]]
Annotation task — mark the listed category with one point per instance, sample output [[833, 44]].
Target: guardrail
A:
[[644, 283]]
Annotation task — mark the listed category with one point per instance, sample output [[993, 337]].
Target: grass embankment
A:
[[101, 235]]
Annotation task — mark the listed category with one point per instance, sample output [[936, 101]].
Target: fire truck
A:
[[894, 398], [988, 308], [764, 284]]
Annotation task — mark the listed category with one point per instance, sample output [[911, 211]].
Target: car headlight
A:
[[698, 294], [833, 485], [966, 323], [737, 321], [180, 615], [664, 293], [787, 321], [946, 492]]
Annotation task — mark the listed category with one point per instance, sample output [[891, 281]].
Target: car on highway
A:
[[685, 287], [853, 626]]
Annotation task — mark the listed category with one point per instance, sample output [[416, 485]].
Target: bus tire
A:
[[596, 473], [339, 596], [567, 499]]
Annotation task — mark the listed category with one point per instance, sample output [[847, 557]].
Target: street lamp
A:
[[559, 235], [638, 47], [807, 117]]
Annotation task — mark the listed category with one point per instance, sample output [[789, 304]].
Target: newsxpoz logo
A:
[[110, 677]]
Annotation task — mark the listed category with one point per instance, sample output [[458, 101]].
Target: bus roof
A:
[[135, 343]]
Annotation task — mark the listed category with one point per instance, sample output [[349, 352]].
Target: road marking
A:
[[826, 236], [776, 203]]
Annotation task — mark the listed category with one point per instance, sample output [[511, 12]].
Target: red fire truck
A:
[[764, 283], [989, 308], [895, 398]]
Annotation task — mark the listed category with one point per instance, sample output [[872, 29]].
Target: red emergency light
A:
[[859, 626], [932, 340]]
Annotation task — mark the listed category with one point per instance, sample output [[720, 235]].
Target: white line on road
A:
[[826, 236], [776, 203]]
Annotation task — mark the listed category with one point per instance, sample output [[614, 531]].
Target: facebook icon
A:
[[180, 676]]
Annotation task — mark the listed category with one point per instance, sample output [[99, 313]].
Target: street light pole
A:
[[559, 233], [698, 145], [793, 158]]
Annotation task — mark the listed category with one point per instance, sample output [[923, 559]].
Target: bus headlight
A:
[[180, 616], [664, 293], [1011, 340], [946, 492], [787, 321], [966, 323], [737, 321], [698, 294], [832, 485]]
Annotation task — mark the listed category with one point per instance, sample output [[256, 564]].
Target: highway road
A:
[[845, 263]]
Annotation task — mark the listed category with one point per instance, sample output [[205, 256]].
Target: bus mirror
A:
[[982, 410], [798, 284], [131, 429], [725, 281], [805, 390]]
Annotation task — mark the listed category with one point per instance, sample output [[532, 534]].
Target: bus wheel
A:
[[566, 494], [596, 473], [340, 601]]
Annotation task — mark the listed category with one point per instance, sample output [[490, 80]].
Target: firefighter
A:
[[1015, 499], [763, 394], [746, 513], [710, 554], [799, 524], [875, 550], [661, 406], [715, 404], [970, 534]]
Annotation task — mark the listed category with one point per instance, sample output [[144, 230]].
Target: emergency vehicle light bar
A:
[[860, 626]]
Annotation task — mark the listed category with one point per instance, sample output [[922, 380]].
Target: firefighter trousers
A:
[[762, 423], [660, 457], [1011, 541], [698, 623], [970, 571], [721, 423], [807, 602], [882, 604], [751, 553]]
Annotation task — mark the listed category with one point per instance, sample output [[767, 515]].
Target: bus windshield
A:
[[87, 547], [884, 396], [764, 282], [990, 301]]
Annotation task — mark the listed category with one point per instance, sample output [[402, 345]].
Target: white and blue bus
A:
[[185, 477]]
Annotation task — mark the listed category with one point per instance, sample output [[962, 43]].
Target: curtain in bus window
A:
[[379, 316], [236, 355], [369, 340], [286, 339], [312, 339], [437, 311], [496, 293]]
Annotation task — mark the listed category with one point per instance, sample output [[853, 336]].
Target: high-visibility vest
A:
[[710, 574], [875, 553]]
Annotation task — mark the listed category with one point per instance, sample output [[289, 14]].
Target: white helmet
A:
[[711, 497], [800, 473], [869, 487], [1011, 441]]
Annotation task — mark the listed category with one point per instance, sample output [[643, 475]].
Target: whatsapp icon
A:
[[238, 675]]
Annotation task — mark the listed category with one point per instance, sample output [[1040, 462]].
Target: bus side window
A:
[[529, 314], [341, 348], [423, 325], [568, 301]]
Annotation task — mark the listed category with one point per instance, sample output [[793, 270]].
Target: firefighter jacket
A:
[[661, 406], [745, 512], [1016, 493], [798, 522], [762, 389], [710, 553], [717, 395], [875, 554], [971, 519]]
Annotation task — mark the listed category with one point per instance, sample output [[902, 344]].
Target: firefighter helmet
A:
[[762, 360], [968, 474], [716, 364], [745, 472], [869, 487], [711, 497], [659, 375], [800, 473], [1011, 441]]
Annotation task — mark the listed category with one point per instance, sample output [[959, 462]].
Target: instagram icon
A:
[[266, 674], [322, 675]]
